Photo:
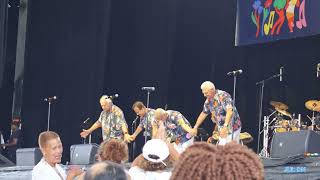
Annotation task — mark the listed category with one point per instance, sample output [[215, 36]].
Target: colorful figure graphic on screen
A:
[[278, 11], [302, 22], [255, 15], [290, 7], [279, 7]]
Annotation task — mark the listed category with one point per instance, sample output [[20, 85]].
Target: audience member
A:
[[113, 150], [106, 171], [203, 161], [49, 168], [155, 162]]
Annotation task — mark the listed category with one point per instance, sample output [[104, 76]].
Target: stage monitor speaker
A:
[[28, 156], [286, 144], [4, 162], [83, 154]]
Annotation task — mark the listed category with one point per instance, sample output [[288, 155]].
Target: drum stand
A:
[[264, 152], [262, 84], [266, 122], [312, 119]]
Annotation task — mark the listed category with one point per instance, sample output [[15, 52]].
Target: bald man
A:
[[223, 112], [111, 120], [177, 128]]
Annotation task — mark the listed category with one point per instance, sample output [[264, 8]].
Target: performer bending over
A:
[[146, 119], [111, 121], [223, 112], [176, 126]]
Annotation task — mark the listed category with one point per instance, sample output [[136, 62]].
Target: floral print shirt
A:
[[112, 123], [218, 106], [146, 121], [173, 127]]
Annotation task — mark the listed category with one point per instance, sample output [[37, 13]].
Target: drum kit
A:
[[285, 121], [281, 120]]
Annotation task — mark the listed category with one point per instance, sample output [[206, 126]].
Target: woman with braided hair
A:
[[203, 161]]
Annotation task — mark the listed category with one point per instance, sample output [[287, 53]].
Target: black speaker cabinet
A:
[[83, 154], [286, 144]]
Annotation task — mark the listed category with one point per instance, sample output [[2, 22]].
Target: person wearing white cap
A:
[[155, 162]]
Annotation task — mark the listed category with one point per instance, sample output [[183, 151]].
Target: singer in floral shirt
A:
[[177, 128], [111, 121], [223, 112], [146, 116]]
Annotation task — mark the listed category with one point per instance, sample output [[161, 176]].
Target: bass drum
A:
[[282, 126]]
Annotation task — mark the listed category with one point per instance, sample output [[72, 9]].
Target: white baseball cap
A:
[[155, 150]]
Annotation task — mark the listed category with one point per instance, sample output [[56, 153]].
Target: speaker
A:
[[286, 144], [83, 154], [4, 162], [28, 156]]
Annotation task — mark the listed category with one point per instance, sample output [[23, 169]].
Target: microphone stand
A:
[[133, 128], [234, 101], [262, 83], [145, 131], [85, 126], [49, 112]]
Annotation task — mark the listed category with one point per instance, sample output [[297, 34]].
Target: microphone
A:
[[148, 88], [113, 96], [50, 99], [234, 73], [280, 74], [135, 120], [85, 121], [318, 70]]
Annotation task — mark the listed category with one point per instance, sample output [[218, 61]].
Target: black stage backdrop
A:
[[8, 44], [79, 50]]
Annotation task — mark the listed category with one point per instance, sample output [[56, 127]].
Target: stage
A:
[[293, 169], [306, 168]]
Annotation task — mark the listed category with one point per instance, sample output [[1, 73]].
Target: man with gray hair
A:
[[106, 170], [223, 112], [111, 120], [176, 127]]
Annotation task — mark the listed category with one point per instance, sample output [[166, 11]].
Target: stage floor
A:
[[307, 170]]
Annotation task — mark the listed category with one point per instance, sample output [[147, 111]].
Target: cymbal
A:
[[284, 112], [313, 105], [278, 105]]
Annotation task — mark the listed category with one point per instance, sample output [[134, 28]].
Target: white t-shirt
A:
[[44, 171], [137, 173]]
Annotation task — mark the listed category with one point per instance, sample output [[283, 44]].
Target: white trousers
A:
[[236, 138], [183, 146]]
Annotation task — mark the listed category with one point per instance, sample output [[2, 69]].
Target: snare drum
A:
[[282, 126]]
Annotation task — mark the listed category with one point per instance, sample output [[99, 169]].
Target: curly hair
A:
[[203, 161], [113, 150]]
